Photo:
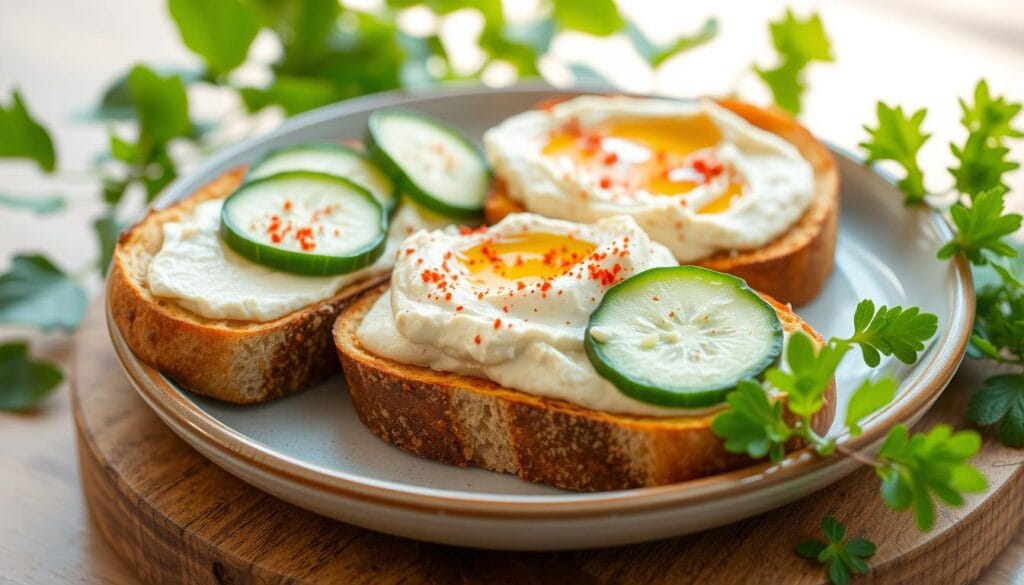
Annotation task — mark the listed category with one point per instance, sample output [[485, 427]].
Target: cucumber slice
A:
[[682, 336], [438, 167], [332, 159], [307, 223]]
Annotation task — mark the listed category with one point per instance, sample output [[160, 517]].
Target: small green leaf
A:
[[868, 398], [891, 331], [981, 228], [1001, 399], [161, 105], [40, 204], [655, 55], [809, 375], [294, 94], [24, 382], [982, 165], [810, 549], [838, 572], [833, 529], [860, 547], [596, 17], [990, 116], [917, 468], [21, 136], [107, 228], [786, 84], [35, 292], [752, 424], [219, 31], [899, 138], [801, 41]]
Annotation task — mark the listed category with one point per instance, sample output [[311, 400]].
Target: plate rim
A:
[[169, 402]]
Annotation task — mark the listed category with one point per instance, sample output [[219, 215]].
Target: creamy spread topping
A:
[[196, 270], [698, 178], [511, 304]]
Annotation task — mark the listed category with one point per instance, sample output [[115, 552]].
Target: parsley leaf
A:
[[982, 165], [990, 116], [891, 331], [752, 425], [798, 43], [999, 322], [21, 136], [36, 292], [842, 558], [898, 138], [916, 468], [810, 373], [656, 54], [219, 31], [866, 399], [24, 382], [40, 204], [1001, 399], [595, 17], [981, 228], [786, 84]]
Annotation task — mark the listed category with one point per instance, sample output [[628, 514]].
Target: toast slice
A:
[[464, 421], [235, 361], [795, 266]]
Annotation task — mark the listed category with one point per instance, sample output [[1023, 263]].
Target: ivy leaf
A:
[[982, 165], [595, 17], [655, 54], [891, 331], [161, 106], [40, 204], [981, 227], [917, 468], [841, 558], [990, 116], [810, 373], [801, 41], [786, 84], [219, 31], [24, 382], [898, 138], [21, 136], [752, 424], [866, 399], [35, 292], [1001, 399]]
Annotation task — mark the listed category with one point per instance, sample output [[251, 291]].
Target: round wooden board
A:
[[177, 518]]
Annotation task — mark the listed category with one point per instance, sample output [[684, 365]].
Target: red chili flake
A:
[[611, 158], [605, 182], [287, 205], [655, 299], [459, 308], [505, 308], [409, 251], [476, 340], [520, 285], [448, 296], [546, 286], [497, 323], [429, 275]]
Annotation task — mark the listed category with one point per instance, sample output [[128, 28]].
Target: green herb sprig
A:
[[983, 229], [915, 469], [841, 557]]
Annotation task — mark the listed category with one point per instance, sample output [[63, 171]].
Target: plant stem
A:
[[857, 456]]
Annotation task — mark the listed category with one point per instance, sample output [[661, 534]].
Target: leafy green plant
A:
[[841, 557], [982, 232], [798, 43]]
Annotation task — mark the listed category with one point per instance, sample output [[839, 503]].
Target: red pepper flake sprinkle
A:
[[655, 299], [605, 182], [476, 340], [497, 323], [459, 308]]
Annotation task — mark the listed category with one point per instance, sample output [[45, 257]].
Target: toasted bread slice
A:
[[795, 266], [464, 421], [236, 361]]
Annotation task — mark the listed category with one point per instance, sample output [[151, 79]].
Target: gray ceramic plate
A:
[[311, 450]]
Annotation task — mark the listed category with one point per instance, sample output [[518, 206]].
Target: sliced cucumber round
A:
[[682, 336], [307, 223], [332, 159], [438, 167]]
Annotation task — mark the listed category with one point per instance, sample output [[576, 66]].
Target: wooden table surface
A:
[[60, 53]]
